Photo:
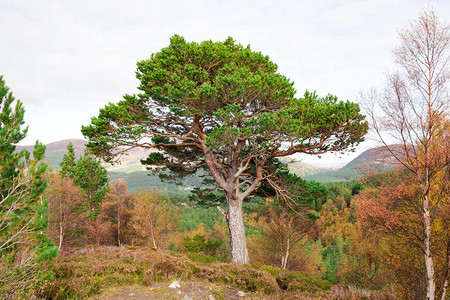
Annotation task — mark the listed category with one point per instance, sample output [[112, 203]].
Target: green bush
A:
[[294, 281], [199, 244], [272, 270]]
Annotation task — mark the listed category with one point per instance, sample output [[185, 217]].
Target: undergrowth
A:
[[81, 273]]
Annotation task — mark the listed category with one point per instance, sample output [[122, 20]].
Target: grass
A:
[[105, 271], [82, 273]]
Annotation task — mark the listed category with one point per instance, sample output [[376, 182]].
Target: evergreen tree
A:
[[68, 164], [222, 108], [332, 257], [92, 178], [89, 175], [24, 248]]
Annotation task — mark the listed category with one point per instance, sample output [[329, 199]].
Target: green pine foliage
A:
[[25, 250], [332, 259], [198, 244], [92, 178], [88, 174], [69, 162], [192, 217]]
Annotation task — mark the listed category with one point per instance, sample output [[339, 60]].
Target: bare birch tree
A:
[[410, 118]]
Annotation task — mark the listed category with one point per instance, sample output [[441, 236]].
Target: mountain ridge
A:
[[130, 166]]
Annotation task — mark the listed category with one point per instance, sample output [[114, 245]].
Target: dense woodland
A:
[[70, 232]]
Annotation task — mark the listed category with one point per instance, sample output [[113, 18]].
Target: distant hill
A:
[[60, 146], [131, 170], [301, 169], [372, 160], [54, 152]]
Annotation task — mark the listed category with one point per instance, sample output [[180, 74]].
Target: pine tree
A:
[[89, 175], [92, 178], [68, 164], [24, 248]]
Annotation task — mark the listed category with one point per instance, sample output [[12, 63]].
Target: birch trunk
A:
[[284, 259], [61, 235], [118, 223], [152, 231], [431, 285], [61, 224], [447, 274]]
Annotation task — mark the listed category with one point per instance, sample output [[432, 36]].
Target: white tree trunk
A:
[[61, 224], [118, 224], [61, 235], [235, 218], [429, 267], [284, 259], [152, 231], [444, 289], [447, 274]]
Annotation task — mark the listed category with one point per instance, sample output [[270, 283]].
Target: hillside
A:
[[134, 173], [60, 146], [371, 160], [303, 169], [54, 152], [131, 170]]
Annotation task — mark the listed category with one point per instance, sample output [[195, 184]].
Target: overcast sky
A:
[[66, 59]]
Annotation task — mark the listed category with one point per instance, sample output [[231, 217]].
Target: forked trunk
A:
[[235, 218], [285, 256]]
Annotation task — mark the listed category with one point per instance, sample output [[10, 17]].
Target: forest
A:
[[252, 229]]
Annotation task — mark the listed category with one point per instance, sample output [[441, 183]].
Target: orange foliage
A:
[[153, 220], [67, 223], [283, 237]]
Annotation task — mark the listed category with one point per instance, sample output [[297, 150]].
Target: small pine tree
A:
[[69, 162], [89, 175], [25, 250], [332, 257], [93, 180]]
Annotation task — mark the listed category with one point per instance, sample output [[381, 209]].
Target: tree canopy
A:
[[225, 108]]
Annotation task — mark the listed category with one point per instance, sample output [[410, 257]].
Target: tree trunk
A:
[[285, 257], [61, 235], [235, 218], [61, 224], [431, 286], [118, 223], [118, 231], [447, 274], [152, 231]]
